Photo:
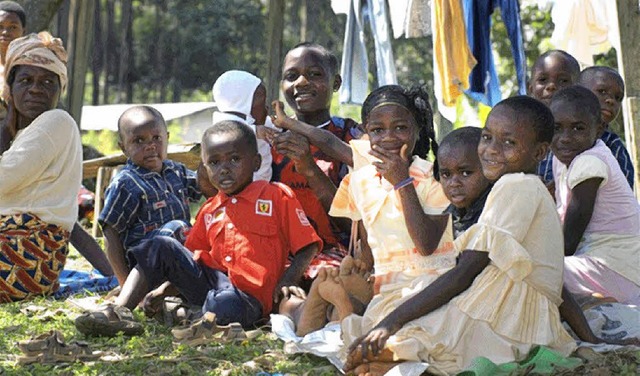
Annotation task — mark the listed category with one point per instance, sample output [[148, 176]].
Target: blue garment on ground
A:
[[484, 85], [77, 281]]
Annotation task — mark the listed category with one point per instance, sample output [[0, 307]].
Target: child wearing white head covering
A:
[[233, 92]]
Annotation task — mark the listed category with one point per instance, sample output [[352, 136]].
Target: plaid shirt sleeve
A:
[[621, 154], [121, 205], [545, 168]]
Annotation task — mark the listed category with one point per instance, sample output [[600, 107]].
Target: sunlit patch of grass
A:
[[152, 353]]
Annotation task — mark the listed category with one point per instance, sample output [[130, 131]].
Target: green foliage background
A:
[[182, 46]]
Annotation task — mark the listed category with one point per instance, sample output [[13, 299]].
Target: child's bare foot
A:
[[332, 290], [374, 368], [314, 310], [356, 279], [355, 359]]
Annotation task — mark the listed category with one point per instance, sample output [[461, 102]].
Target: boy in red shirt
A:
[[233, 261]]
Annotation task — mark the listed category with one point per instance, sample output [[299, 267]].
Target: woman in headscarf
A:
[[40, 169]]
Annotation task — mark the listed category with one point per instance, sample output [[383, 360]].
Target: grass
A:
[[150, 354], [154, 354]]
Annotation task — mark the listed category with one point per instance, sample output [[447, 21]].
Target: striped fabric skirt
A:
[[32, 255]]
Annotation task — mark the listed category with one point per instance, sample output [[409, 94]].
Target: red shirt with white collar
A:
[[249, 236]]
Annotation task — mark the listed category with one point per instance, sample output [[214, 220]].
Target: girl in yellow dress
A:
[[502, 297]]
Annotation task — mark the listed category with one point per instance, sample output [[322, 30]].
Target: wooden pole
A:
[[79, 49], [628, 58], [275, 26]]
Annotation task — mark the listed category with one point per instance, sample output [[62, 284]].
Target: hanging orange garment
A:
[[451, 50]]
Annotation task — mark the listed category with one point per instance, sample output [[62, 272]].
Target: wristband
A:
[[403, 183]]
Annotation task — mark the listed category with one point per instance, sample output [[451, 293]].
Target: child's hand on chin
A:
[[393, 167]]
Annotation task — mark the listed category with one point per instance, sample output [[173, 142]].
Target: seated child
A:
[[608, 86], [309, 78], [233, 261], [393, 191], [150, 195], [241, 96], [460, 174], [467, 189], [509, 267], [600, 214], [552, 71]]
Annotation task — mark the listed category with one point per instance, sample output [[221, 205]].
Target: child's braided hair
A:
[[414, 99]]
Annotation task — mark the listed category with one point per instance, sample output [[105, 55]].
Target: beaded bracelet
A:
[[403, 183]]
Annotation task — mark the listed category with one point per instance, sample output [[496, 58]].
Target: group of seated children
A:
[[457, 259]]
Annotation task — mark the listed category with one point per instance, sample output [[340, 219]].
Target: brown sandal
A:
[[50, 348], [206, 330]]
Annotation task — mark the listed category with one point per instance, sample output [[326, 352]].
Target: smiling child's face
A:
[[609, 92], [461, 174], [391, 127], [509, 145], [550, 75], [307, 82], [575, 131]]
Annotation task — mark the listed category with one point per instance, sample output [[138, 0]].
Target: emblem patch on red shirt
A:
[[217, 216], [159, 205], [302, 217], [263, 207]]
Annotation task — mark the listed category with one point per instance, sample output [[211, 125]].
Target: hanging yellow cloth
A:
[[451, 49]]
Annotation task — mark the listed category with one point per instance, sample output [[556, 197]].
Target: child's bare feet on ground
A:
[[357, 365], [314, 310], [356, 279], [374, 368], [332, 290]]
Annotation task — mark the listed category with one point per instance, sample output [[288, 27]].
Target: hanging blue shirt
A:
[[484, 85]]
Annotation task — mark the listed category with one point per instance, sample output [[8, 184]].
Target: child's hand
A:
[[286, 291], [295, 147], [369, 345], [266, 133], [281, 120], [393, 167]]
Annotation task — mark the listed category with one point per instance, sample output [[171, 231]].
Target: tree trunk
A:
[[275, 26], [40, 13], [126, 54], [111, 58], [97, 62], [79, 48], [628, 57]]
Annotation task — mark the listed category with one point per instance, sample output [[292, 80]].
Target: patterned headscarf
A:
[[39, 50]]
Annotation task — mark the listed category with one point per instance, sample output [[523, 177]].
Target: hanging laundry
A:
[[585, 28], [398, 12], [485, 85], [411, 18], [355, 66], [418, 19], [452, 57]]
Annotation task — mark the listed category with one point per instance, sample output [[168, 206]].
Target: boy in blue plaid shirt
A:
[[151, 195]]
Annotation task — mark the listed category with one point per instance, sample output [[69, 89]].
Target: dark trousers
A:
[[163, 258]]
